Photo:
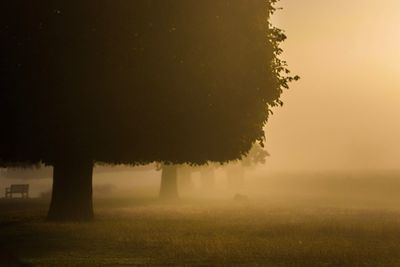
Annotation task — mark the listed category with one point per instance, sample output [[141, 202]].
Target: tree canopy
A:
[[136, 81], [133, 82]]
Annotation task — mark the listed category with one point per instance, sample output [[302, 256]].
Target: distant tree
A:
[[236, 170], [169, 182], [133, 82], [31, 172], [175, 177]]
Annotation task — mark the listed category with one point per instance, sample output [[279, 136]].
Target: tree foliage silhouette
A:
[[132, 82]]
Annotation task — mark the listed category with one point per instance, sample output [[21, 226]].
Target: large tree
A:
[[132, 82]]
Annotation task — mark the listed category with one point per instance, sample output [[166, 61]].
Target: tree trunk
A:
[[169, 186], [72, 191]]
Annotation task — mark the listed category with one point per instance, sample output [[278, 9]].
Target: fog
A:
[[339, 119], [343, 113], [323, 191]]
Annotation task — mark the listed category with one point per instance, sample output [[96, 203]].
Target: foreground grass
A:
[[202, 233]]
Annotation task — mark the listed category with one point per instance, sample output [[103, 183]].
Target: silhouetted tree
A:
[[132, 82], [236, 170], [169, 187], [30, 172]]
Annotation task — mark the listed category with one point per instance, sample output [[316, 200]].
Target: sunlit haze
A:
[[132, 133], [343, 114]]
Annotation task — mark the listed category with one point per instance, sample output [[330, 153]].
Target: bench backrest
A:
[[19, 188]]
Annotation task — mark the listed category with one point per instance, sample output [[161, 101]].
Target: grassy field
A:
[[144, 232]]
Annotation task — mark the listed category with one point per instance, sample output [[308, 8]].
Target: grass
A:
[[202, 233]]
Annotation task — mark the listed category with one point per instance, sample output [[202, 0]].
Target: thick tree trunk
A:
[[72, 191], [169, 185]]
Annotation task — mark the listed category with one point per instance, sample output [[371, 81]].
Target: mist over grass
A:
[[205, 233], [301, 219], [344, 187]]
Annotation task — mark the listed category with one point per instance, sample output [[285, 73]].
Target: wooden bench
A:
[[22, 189]]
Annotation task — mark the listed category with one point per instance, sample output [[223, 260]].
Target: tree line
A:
[[133, 82]]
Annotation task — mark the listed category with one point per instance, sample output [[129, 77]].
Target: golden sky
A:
[[344, 112]]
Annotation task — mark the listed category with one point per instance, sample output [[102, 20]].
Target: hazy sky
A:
[[344, 113]]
